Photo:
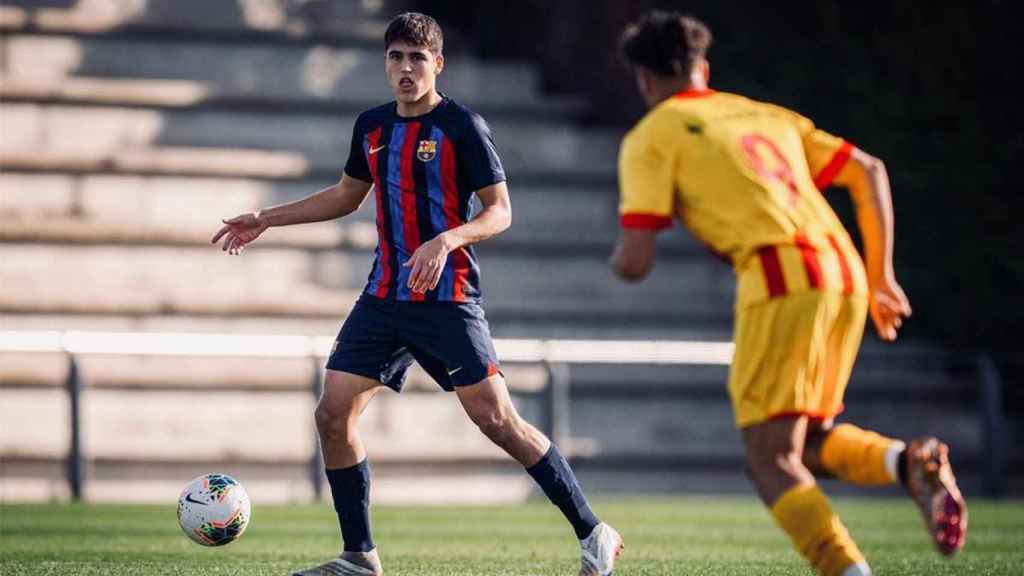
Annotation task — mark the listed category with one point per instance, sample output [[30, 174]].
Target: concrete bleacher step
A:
[[267, 19], [326, 326], [98, 68], [143, 210], [186, 210], [563, 287], [153, 280], [303, 143], [280, 281]]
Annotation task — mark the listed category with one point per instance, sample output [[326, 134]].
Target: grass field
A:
[[715, 536]]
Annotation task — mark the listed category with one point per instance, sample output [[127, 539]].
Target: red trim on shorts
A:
[[641, 221], [798, 414], [844, 266], [492, 369], [810, 415], [809, 254], [772, 266], [831, 170]]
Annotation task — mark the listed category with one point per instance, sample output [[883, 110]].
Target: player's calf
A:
[[774, 454], [854, 455], [489, 406]]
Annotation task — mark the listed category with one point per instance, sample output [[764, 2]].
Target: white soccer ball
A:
[[214, 510]]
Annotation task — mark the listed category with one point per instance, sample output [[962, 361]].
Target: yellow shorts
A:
[[794, 355]]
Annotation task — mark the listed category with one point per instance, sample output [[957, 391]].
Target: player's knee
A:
[[498, 426], [773, 461], [331, 421]]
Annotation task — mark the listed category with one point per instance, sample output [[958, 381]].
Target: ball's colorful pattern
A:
[[214, 510]]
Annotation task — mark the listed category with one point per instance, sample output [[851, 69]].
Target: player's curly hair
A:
[[668, 43], [417, 30]]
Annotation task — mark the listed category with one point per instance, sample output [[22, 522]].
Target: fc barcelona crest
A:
[[427, 150]]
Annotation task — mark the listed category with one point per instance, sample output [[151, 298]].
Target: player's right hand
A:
[[240, 231], [889, 306]]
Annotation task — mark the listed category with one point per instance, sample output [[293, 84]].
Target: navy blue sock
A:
[[350, 488], [558, 482]]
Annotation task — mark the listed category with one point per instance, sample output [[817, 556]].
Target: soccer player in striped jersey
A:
[[424, 156], [746, 178]]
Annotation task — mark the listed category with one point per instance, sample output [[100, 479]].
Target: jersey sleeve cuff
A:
[[362, 178], [835, 165], [640, 221]]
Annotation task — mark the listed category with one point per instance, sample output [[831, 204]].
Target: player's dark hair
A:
[[668, 43], [417, 30]]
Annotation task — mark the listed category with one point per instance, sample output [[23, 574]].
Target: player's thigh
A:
[[766, 441], [488, 399], [778, 360], [345, 395], [844, 339]]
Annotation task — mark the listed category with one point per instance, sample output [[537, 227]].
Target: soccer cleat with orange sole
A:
[[932, 485]]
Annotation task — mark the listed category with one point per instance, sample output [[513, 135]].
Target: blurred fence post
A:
[[556, 404], [990, 408], [316, 462], [75, 463]]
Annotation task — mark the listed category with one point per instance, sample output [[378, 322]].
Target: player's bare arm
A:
[[427, 262], [633, 256], [332, 202], [866, 178]]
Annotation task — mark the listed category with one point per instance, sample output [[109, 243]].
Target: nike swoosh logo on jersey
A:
[[188, 498], [377, 149]]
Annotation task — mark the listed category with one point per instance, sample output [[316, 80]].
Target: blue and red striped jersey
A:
[[424, 171]]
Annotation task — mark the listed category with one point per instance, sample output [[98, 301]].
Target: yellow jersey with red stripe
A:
[[746, 178]]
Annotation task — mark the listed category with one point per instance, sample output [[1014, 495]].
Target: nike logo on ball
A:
[[188, 498]]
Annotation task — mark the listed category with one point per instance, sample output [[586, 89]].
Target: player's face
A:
[[412, 70]]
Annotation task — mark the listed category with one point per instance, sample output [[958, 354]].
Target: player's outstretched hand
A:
[[427, 264], [889, 306], [240, 231]]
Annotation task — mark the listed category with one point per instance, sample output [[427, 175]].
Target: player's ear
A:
[[438, 63]]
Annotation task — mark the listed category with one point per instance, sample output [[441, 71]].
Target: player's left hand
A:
[[427, 265], [889, 306]]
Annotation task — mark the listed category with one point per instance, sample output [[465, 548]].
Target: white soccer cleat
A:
[[599, 551], [348, 564]]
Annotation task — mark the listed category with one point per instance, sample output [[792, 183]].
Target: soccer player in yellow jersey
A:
[[746, 178]]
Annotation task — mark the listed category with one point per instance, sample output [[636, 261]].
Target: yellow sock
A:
[[860, 456], [804, 513]]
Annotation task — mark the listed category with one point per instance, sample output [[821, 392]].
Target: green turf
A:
[[714, 536]]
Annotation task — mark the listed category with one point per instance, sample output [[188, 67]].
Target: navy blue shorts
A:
[[381, 338]]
